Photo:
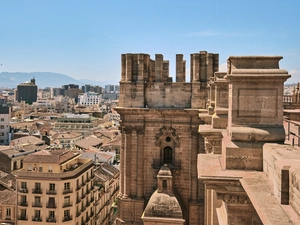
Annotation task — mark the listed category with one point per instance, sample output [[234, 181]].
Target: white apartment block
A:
[[89, 99]]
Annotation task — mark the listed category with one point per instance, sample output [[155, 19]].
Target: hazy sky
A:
[[85, 39]]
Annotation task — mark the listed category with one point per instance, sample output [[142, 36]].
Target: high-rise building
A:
[[27, 92]]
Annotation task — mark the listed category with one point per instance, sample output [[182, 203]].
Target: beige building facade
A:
[[55, 187]]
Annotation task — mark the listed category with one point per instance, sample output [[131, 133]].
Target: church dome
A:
[[163, 205]]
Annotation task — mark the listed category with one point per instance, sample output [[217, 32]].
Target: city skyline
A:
[[85, 40]]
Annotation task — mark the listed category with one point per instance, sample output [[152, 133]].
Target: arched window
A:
[[168, 155]]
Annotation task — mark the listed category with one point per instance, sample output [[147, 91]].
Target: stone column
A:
[[140, 161], [196, 67], [128, 67], [165, 71], [203, 66], [140, 68], [123, 67], [127, 161], [158, 67], [133, 163], [193, 164], [179, 68]]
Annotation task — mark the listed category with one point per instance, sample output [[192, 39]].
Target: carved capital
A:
[[127, 130], [194, 132], [140, 130], [234, 198]]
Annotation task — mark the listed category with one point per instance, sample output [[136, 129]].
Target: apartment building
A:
[[55, 187], [5, 135]]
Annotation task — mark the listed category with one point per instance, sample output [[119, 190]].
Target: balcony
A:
[[23, 203], [51, 192], [67, 218], [23, 190], [37, 204], [23, 218], [67, 204], [50, 220], [83, 208], [78, 213], [37, 218], [87, 219], [83, 196], [78, 187], [51, 205], [78, 200], [67, 191], [37, 191]]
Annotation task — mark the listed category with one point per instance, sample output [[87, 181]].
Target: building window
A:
[[2, 119], [52, 187], [168, 155], [37, 186], [67, 186], [24, 185], [67, 201], [8, 212], [37, 214], [2, 127], [23, 214], [67, 214]]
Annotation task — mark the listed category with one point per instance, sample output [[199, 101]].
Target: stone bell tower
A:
[[159, 124]]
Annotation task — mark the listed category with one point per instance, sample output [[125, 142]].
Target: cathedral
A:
[[200, 152]]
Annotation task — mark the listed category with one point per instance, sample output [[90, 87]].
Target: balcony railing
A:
[[51, 205], [37, 218], [51, 192], [67, 204], [50, 220], [23, 217], [23, 203], [37, 204], [83, 208], [78, 213], [37, 191], [78, 187], [67, 218], [67, 191], [78, 200], [23, 190]]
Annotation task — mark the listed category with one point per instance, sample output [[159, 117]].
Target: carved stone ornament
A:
[[208, 146], [126, 130], [140, 130], [234, 199], [167, 136]]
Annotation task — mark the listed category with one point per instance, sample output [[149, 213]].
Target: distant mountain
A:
[[44, 79]]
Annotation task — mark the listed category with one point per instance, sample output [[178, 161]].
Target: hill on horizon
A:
[[45, 79]]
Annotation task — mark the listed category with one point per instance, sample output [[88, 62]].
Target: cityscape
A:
[[148, 151], [149, 112]]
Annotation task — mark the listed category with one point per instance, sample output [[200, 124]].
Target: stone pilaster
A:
[[158, 67], [140, 161]]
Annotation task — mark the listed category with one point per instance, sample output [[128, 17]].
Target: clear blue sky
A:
[[85, 39]]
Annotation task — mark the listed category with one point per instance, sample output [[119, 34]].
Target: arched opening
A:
[[168, 155]]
